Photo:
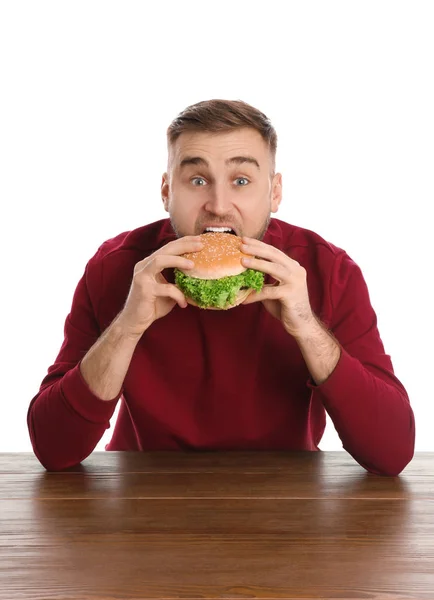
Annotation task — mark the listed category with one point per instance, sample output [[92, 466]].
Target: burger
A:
[[218, 280]]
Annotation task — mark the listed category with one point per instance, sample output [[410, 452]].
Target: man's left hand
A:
[[287, 299]]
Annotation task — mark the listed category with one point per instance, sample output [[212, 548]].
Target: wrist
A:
[[122, 330], [320, 350], [309, 327]]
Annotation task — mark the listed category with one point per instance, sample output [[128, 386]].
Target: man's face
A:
[[221, 180]]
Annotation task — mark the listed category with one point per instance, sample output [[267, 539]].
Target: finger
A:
[[278, 271], [167, 290], [261, 250], [253, 297], [162, 261], [268, 292], [182, 246]]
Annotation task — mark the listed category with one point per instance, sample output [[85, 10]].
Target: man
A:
[[256, 377]]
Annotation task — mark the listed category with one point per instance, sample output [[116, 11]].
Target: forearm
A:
[[71, 412], [371, 413], [106, 364], [66, 421], [368, 405]]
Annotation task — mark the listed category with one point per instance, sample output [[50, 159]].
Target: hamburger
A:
[[218, 280]]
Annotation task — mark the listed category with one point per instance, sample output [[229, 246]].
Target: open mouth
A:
[[219, 230]]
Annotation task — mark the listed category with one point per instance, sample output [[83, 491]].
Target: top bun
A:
[[220, 257]]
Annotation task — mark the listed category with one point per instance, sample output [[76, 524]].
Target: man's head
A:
[[221, 169]]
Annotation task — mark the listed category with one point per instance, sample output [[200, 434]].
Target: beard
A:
[[261, 233], [217, 222]]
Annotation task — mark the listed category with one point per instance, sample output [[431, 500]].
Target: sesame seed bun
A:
[[220, 257]]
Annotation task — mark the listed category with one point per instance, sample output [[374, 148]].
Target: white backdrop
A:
[[88, 89]]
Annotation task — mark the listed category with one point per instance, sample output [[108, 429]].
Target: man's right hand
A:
[[151, 296]]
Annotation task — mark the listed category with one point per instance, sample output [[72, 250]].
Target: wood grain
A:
[[337, 462], [215, 526]]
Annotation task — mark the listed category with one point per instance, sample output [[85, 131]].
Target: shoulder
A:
[[287, 237], [117, 256], [122, 252], [141, 241], [324, 261], [307, 247]]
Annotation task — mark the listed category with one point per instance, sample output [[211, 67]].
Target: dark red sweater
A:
[[226, 380]]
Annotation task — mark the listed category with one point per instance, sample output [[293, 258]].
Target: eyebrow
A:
[[235, 160]]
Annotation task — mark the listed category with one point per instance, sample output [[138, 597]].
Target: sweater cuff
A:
[[80, 397], [341, 378]]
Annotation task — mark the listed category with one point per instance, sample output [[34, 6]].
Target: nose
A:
[[218, 200]]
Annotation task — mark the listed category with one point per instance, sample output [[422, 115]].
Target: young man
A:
[[256, 377]]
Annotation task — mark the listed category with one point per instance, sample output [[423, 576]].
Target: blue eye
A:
[[198, 179], [246, 181]]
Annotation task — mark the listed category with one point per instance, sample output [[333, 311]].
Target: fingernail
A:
[[247, 261]]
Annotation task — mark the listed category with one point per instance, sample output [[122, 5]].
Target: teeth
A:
[[219, 229]]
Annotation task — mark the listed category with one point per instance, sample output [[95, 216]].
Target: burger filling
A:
[[218, 293]]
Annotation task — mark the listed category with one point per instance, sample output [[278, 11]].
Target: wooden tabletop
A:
[[215, 525]]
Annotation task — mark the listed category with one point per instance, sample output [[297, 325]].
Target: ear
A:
[[165, 191], [276, 192]]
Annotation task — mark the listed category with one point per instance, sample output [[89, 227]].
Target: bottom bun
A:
[[240, 297]]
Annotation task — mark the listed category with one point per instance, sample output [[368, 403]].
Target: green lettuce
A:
[[218, 293]]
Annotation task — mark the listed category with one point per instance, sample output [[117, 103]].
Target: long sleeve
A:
[[368, 405], [65, 419]]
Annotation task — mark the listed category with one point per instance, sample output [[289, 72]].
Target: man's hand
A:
[[288, 299], [151, 296]]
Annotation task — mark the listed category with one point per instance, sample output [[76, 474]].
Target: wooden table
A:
[[215, 525]]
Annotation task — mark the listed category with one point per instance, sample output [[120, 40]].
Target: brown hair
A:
[[218, 116]]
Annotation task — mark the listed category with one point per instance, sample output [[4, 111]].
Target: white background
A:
[[88, 89]]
